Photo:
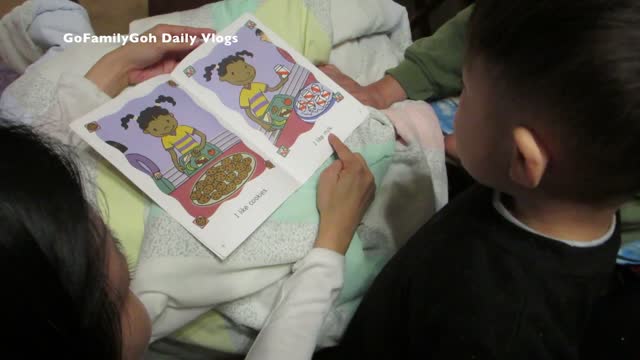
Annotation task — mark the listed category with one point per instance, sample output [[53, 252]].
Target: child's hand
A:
[[380, 95], [135, 62], [345, 191]]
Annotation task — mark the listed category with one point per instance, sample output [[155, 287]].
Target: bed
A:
[[362, 48], [424, 15]]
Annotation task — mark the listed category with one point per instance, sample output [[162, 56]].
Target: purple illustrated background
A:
[[265, 58], [186, 112]]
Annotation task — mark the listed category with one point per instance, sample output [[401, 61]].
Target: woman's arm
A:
[[136, 62], [345, 190], [291, 331], [432, 68], [127, 65]]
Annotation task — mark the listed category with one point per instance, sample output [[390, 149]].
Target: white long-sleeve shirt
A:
[[306, 296], [293, 326]]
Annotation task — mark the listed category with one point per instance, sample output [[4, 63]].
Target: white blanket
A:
[[36, 26], [178, 283], [364, 49], [369, 37]]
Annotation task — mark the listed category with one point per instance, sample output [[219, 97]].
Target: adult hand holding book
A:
[[134, 63]]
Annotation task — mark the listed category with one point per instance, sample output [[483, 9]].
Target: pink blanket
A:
[[416, 122]]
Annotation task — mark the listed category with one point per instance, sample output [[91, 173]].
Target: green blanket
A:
[[125, 206]]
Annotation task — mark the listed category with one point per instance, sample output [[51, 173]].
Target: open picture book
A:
[[226, 138]]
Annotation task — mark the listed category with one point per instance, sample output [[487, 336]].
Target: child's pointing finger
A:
[[340, 148]]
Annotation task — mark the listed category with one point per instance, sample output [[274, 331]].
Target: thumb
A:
[[179, 47]]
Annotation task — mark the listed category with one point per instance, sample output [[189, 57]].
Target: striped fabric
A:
[[259, 104], [185, 144]]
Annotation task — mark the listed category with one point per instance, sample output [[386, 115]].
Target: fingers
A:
[[362, 163], [350, 160], [340, 148], [175, 30], [178, 30], [362, 168], [179, 47], [332, 171]]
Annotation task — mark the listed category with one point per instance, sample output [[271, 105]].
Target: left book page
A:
[[187, 162]]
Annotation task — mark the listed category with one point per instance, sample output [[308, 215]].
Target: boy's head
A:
[[552, 98]]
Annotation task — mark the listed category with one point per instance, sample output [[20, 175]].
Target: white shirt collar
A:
[[502, 210]]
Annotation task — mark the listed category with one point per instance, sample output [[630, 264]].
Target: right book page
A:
[[271, 96]]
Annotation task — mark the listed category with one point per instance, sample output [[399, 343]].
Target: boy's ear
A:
[[529, 161]]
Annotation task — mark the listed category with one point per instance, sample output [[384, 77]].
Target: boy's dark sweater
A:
[[472, 285]]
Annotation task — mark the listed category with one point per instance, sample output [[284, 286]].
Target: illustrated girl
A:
[[177, 139], [236, 71]]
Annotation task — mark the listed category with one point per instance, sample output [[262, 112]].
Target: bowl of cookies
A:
[[223, 179]]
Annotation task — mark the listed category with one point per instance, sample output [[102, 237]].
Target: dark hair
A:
[[259, 32], [222, 67], [53, 254], [146, 116], [208, 71], [150, 113], [168, 99], [124, 122], [123, 148], [579, 63]]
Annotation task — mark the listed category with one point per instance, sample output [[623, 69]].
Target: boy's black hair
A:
[[53, 256], [578, 61], [146, 116], [222, 67], [259, 32]]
